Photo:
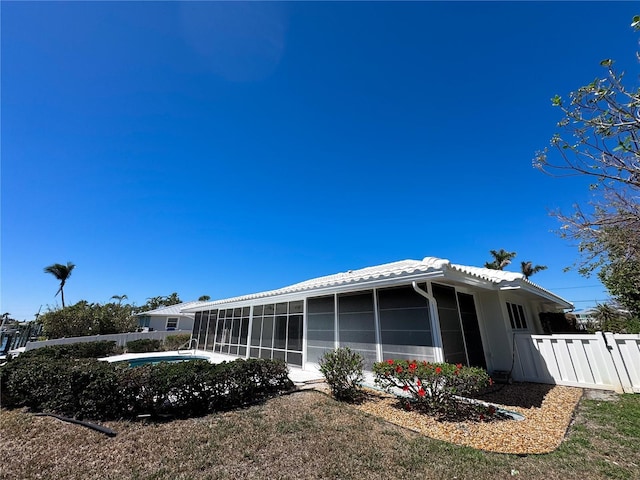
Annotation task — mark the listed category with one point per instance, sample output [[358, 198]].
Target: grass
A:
[[307, 435]]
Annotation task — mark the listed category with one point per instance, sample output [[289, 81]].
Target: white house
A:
[[426, 309], [168, 318]]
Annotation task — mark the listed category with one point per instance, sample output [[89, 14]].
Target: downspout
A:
[[435, 322]]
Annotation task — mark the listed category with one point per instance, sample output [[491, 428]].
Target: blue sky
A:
[[229, 148]]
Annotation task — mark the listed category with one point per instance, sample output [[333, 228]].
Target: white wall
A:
[[497, 346], [185, 324], [121, 339]]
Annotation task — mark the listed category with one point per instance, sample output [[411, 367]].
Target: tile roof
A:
[[402, 268], [172, 309]]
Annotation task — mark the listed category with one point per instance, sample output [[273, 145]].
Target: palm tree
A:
[[501, 258], [528, 269], [61, 272], [172, 299], [204, 298], [120, 298]]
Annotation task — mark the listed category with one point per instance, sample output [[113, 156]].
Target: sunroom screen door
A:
[[471, 329], [459, 327]]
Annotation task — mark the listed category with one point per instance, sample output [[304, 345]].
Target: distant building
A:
[[584, 317], [168, 318], [15, 335]]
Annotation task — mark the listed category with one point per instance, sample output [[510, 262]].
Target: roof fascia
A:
[[257, 299], [467, 279], [517, 284], [558, 301]]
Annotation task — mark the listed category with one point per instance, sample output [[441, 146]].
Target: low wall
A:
[[121, 339]]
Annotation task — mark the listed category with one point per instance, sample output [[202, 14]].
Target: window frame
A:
[[169, 319], [517, 316]]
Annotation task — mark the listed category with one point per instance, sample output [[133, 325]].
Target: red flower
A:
[[438, 370], [412, 366], [458, 366], [456, 372], [481, 417], [407, 406], [424, 363], [399, 369], [390, 362], [421, 392], [419, 382], [405, 388]]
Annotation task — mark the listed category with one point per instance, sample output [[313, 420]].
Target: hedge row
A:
[[144, 345], [72, 350], [84, 388]]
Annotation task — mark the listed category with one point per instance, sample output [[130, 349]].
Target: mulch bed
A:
[[548, 411]]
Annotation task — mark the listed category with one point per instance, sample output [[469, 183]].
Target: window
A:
[[172, 323], [516, 316], [211, 330], [144, 322], [405, 326], [276, 332], [450, 326], [356, 324], [320, 327]]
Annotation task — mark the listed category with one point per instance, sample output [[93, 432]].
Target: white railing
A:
[[121, 339], [601, 360]]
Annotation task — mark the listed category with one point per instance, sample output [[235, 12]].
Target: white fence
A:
[[602, 360], [121, 339]]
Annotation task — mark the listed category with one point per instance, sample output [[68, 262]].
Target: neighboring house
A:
[[168, 318], [588, 317], [425, 309], [584, 318]]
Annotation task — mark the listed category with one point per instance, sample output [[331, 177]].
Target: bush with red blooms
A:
[[435, 388]]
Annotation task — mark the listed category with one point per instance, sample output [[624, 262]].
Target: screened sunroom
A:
[[425, 310]]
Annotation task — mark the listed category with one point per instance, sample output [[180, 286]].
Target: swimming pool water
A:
[[137, 362]]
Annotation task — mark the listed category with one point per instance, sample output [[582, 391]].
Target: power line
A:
[[567, 288], [595, 300]]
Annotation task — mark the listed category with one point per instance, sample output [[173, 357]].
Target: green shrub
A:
[[85, 388], [342, 369], [84, 318], [81, 388], [254, 380], [433, 387], [174, 342], [144, 345], [135, 390], [182, 389], [73, 350]]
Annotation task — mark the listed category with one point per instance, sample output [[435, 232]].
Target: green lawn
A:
[[308, 435]]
